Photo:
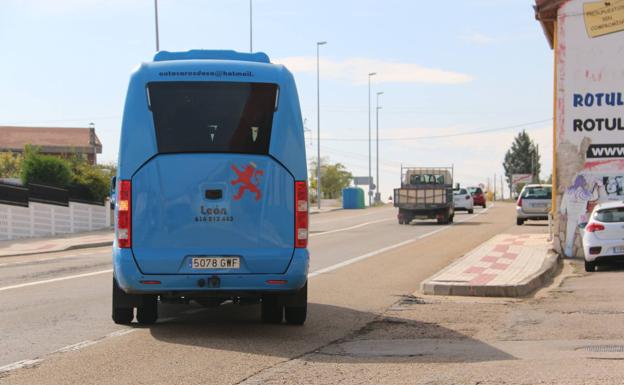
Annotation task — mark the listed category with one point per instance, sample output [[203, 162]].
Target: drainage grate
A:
[[603, 348]]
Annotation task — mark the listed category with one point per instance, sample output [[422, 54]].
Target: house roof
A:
[[50, 139], [546, 14]]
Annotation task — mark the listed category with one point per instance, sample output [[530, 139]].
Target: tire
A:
[[296, 315], [401, 221], [471, 211], [296, 312], [519, 221], [147, 313], [121, 315], [484, 205], [445, 219], [590, 267], [451, 218], [272, 311]]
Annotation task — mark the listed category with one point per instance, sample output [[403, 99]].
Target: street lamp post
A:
[[377, 193], [156, 20], [370, 183], [318, 125]]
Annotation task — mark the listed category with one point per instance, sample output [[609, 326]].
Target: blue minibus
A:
[[211, 200]]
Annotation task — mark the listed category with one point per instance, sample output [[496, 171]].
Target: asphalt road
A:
[[56, 307]]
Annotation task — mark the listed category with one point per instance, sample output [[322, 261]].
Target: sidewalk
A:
[[508, 265], [27, 246]]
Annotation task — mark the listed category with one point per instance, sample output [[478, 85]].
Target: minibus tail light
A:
[[124, 214], [301, 214]]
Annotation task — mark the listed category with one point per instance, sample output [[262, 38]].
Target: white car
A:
[[603, 235], [463, 200]]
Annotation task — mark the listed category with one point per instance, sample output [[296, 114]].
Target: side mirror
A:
[[113, 187], [582, 225]]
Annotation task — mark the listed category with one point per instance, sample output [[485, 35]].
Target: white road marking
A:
[[350, 227], [19, 365], [391, 247], [55, 280]]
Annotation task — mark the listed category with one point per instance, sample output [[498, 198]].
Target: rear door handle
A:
[[214, 194]]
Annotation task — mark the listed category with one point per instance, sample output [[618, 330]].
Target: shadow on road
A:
[[368, 337]]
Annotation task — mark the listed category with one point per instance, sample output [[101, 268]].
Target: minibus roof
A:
[[258, 57]]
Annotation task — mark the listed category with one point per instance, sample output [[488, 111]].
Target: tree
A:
[[334, 177], [10, 165], [522, 158]]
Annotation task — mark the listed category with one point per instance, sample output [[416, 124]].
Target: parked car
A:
[[603, 235], [534, 203], [463, 200], [478, 197], [212, 198]]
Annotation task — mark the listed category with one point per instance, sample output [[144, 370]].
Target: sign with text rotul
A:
[[589, 114]]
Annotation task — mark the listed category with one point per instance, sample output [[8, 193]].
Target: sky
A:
[[459, 79]]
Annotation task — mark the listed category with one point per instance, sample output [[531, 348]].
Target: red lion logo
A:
[[249, 178]]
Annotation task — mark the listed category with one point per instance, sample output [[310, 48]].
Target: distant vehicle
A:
[[534, 203], [212, 198], [603, 236], [463, 200], [425, 193], [478, 196]]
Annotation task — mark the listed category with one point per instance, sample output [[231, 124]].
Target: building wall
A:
[[589, 104]]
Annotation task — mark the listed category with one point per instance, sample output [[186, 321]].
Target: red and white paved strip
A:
[[504, 260]]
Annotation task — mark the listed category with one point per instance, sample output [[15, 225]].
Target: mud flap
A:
[[121, 299]]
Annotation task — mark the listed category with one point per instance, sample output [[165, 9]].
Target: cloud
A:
[[480, 38], [356, 70]]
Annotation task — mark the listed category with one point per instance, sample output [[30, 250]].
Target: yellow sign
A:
[[604, 17]]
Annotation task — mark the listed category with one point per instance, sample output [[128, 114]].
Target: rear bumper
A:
[[521, 214], [606, 253], [129, 278]]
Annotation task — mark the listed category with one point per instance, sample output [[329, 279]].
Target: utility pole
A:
[[250, 27], [494, 186], [156, 19], [370, 176], [502, 188], [377, 193], [318, 125]]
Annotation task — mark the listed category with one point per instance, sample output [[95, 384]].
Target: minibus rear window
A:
[[212, 116]]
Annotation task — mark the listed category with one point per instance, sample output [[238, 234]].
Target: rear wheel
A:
[[121, 315], [147, 313], [471, 211], [590, 267], [296, 310], [444, 218], [272, 310], [519, 221], [484, 205]]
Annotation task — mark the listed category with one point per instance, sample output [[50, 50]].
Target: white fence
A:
[[41, 220]]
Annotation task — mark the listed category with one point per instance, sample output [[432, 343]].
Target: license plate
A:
[[618, 250], [540, 205], [215, 263]]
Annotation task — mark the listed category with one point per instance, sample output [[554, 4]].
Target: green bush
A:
[[45, 169], [91, 181], [10, 165]]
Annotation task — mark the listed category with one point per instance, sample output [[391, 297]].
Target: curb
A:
[[551, 266], [326, 211], [71, 247]]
